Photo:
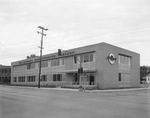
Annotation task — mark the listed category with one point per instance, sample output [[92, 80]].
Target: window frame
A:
[[55, 62], [124, 59], [57, 77]]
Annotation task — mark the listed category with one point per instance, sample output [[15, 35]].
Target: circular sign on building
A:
[[111, 58]]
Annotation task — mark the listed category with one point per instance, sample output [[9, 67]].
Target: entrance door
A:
[[83, 79], [76, 79], [91, 80]]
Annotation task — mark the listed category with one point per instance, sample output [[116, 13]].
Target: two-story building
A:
[[5, 73], [104, 66]]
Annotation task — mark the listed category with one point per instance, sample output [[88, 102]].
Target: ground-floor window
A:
[[15, 79], [21, 79], [5, 79], [57, 77], [119, 77], [31, 78]]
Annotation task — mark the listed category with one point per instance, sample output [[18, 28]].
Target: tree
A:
[[144, 71]]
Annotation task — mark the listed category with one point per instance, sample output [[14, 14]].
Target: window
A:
[[31, 66], [125, 60], [43, 64], [87, 57], [31, 78], [20, 67], [76, 79], [91, 57], [54, 78], [57, 77], [119, 77], [21, 79], [5, 70], [44, 78], [75, 59], [55, 62], [15, 79]]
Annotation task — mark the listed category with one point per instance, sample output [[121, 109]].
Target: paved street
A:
[[21, 102]]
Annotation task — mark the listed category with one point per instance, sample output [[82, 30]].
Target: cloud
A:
[[71, 24]]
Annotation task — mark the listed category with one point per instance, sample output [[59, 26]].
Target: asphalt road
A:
[[20, 102]]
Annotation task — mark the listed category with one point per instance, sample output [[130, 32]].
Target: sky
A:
[[72, 24]]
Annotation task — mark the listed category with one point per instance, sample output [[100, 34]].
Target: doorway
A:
[[91, 82]]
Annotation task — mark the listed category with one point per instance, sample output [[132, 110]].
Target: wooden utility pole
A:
[[41, 47]]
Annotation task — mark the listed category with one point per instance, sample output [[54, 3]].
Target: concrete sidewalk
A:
[[78, 90], [116, 90]]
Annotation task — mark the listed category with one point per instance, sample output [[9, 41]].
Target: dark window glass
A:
[[119, 77], [54, 77]]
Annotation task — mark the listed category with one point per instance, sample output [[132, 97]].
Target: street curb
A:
[[116, 90], [78, 90]]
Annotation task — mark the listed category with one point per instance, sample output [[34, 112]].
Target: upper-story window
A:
[[87, 57], [43, 64], [5, 70], [75, 59], [55, 62], [125, 60], [20, 67], [91, 57], [31, 66]]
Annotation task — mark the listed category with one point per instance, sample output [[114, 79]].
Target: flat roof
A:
[[69, 52]]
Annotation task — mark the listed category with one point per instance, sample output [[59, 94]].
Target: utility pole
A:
[[80, 70], [41, 47]]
